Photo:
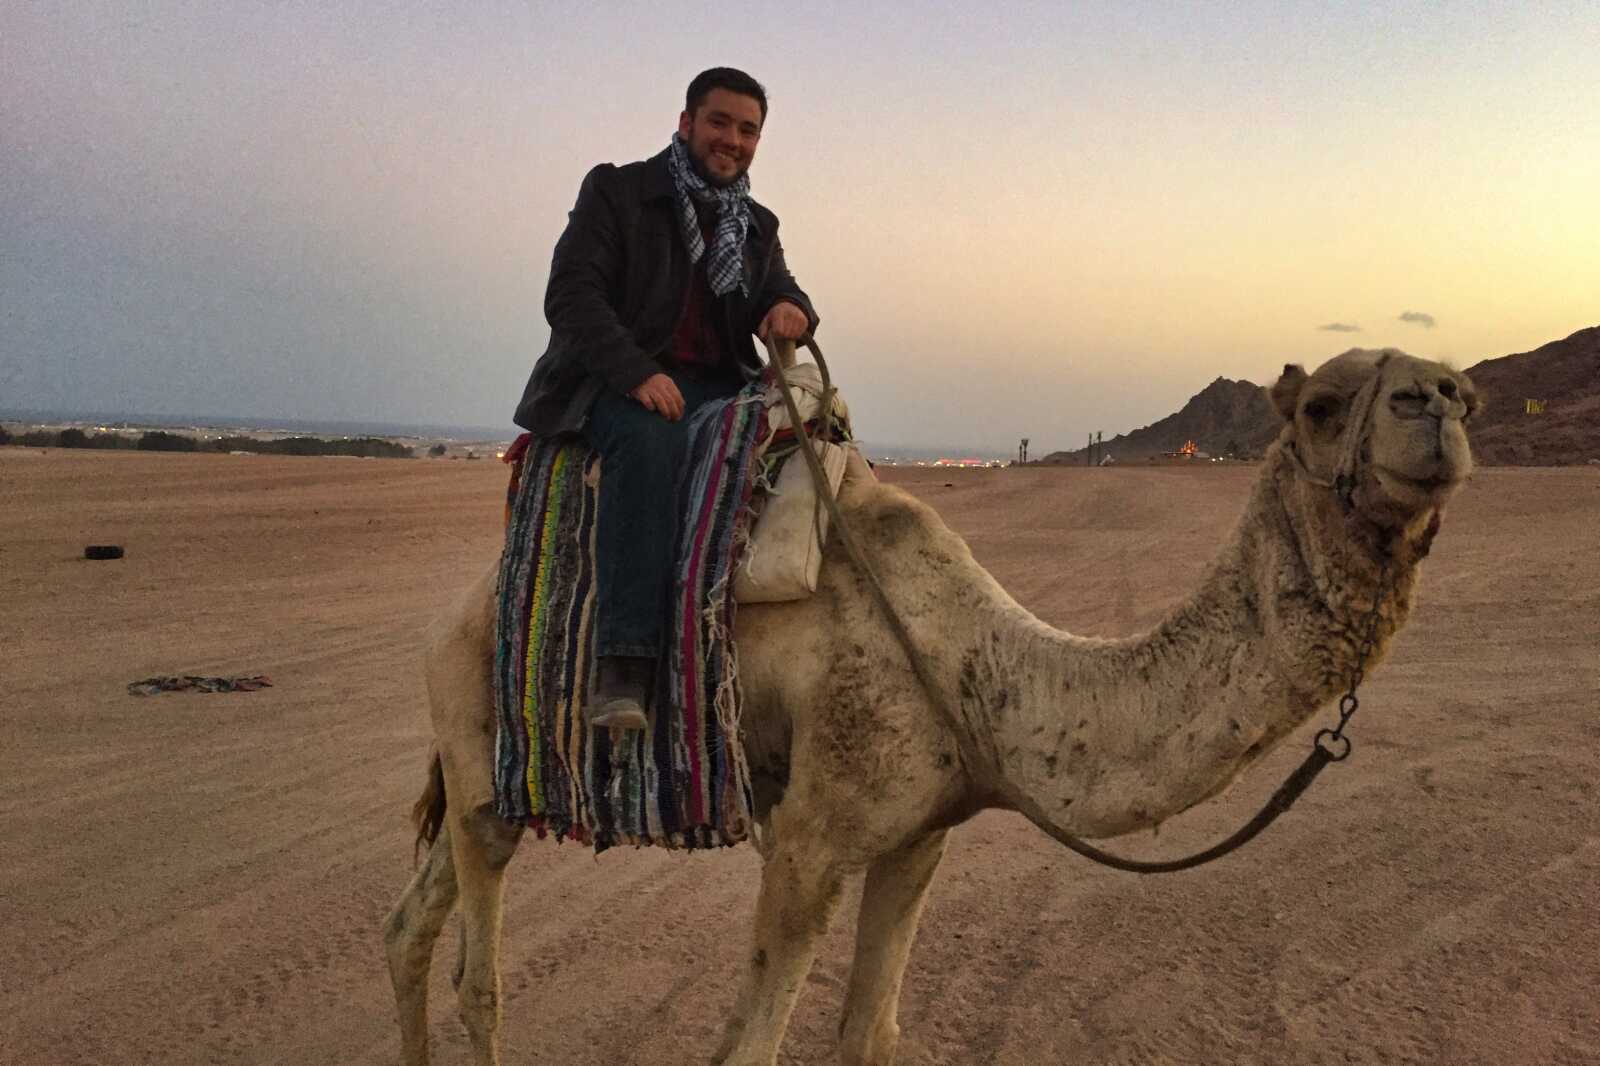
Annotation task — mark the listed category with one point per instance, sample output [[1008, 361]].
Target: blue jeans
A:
[[643, 456]]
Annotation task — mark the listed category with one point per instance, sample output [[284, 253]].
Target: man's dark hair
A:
[[735, 81]]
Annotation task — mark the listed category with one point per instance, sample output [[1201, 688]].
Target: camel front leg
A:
[[799, 893], [891, 904], [408, 938], [483, 844]]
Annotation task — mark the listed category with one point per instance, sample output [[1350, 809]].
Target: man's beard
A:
[[698, 162]]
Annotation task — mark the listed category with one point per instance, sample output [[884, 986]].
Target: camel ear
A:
[[1286, 393]]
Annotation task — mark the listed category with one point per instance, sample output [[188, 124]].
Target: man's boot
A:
[[620, 692]]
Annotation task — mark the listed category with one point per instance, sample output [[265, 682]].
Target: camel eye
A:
[[1319, 409]]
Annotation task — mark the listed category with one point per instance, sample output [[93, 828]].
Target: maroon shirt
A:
[[696, 341]]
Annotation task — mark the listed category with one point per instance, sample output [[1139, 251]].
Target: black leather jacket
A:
[[618, 284]]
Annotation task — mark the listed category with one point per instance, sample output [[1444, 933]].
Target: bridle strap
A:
[[1357, 427]]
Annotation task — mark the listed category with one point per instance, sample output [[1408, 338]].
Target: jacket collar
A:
[[657, 184]]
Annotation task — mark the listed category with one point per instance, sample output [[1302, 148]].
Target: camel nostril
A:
[[1447, 388]]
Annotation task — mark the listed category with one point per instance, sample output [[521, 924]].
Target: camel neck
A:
[[1108, 736]]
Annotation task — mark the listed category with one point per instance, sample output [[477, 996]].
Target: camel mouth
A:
[[1437, 484]]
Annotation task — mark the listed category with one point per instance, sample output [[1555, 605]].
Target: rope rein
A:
[[1328, 746]]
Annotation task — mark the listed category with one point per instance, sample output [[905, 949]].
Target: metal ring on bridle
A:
[[1325, 740]]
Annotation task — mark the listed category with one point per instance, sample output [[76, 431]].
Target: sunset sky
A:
[[1015, 219]]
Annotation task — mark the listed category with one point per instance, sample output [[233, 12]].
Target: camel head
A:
[[1387, 428]]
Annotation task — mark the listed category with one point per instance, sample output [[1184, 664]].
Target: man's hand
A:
[[784, 322], [660, 394]]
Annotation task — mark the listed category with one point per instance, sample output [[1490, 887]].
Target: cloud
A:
[[1418, 318], [1340, 327]]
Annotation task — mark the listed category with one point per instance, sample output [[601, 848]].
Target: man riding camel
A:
[[665, 270]]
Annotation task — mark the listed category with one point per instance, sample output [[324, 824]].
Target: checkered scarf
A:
[[725, 269]]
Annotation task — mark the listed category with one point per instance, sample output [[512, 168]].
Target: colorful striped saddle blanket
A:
[[684, 782]]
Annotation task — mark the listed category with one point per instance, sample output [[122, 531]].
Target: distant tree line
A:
[[160, 441], [367, 447]]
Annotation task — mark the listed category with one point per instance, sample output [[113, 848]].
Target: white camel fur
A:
[[855, 771]]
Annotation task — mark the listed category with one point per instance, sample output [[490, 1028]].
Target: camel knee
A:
[[868, 1042], [495, 838], [479, 1001], [484, 840]]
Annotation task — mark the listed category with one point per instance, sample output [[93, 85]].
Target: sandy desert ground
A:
[[201, 878]]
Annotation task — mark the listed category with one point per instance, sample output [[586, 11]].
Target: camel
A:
[[856, 767]]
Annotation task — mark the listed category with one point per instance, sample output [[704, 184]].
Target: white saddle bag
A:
[[784, 556]]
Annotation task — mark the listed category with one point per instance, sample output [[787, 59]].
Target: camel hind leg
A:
[[891, 905], [459, 666], [409, 934], [482, 844]]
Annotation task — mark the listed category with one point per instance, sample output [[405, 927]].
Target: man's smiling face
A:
[[722, 135]]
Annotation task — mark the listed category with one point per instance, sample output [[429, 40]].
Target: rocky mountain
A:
[[1236, 417], [1225, 418], [1563, 376]]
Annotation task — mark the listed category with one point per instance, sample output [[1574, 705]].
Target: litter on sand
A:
[[151, 686]]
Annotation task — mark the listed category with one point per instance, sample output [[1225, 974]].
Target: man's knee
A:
[[651, 441]]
